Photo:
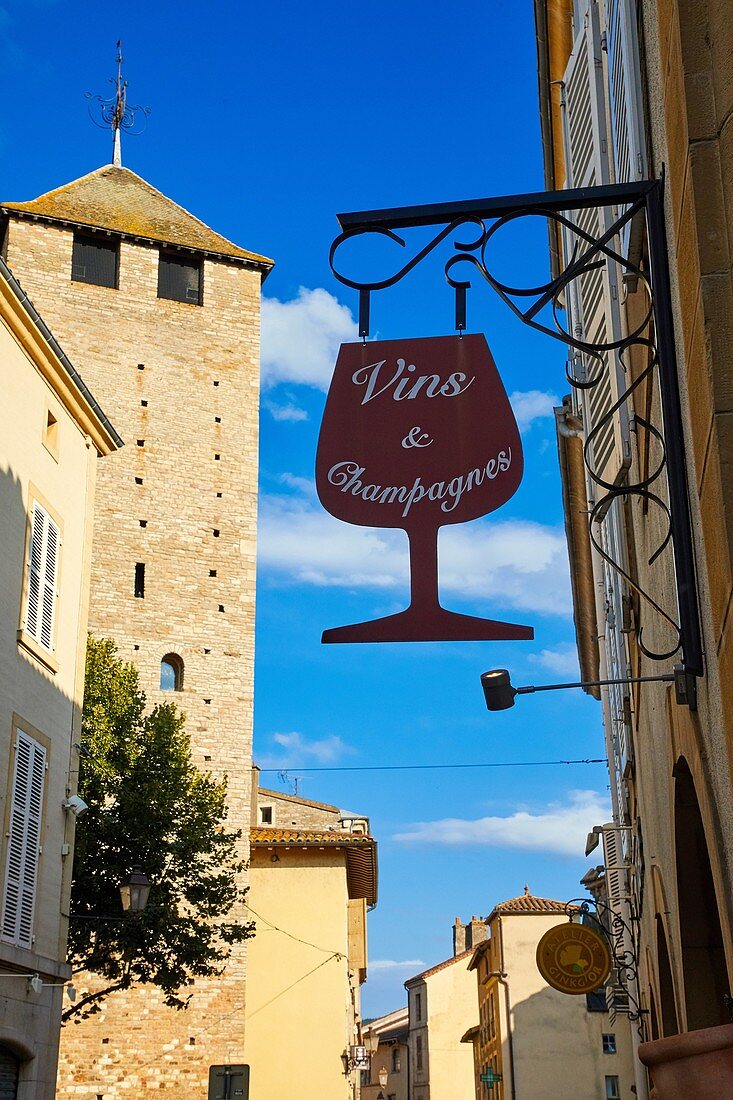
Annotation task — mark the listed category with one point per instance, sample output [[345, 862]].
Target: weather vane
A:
[[117, 113]]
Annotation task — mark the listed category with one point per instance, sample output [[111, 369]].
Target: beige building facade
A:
[[313, 874], [537, 1043], [162, 315], [442, 1007], [658, 104], [387, 1041], [51, 432]]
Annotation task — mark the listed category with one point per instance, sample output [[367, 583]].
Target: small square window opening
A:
[[179, 278], [140, 580], [609, 1043], [95, 260], [265, 815]]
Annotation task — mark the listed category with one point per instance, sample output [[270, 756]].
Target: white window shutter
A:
[[616, 871], [43, 565], [593, 300], [627, 116], [24, 841]]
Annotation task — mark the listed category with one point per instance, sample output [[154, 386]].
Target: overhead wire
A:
[[432, 767]]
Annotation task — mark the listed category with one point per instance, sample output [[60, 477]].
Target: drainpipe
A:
[[501, 976]]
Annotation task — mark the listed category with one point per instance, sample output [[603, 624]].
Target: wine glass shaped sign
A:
[[418, 434]]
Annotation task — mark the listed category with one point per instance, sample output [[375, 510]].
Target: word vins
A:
[[404, 386]]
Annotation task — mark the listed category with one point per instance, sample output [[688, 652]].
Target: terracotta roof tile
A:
[[527, 903], [361, 853], [120, 201], [334, 838]]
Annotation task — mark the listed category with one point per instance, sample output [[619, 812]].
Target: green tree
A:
[[148, 805]]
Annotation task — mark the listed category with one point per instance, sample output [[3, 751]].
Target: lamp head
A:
[[498, 691]]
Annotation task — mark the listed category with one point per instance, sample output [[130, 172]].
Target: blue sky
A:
[[266, 121]]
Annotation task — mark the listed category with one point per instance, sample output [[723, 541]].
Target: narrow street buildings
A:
[[387, 1042], [313, 874], [537, 1043], [51, 431], [161, 316], [442, 1007], [633, 91]]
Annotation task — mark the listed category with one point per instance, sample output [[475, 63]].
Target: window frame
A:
[[39, 747], [181, 259], [608, 1041], [104, 243], [614, 1082], [31, 640], [176, 662]]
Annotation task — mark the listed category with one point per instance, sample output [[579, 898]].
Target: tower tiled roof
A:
[[527, 903], [118, 200]]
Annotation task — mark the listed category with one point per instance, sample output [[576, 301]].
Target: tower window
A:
[[179, 278], [140, 580], [171, 673], [95, 260]]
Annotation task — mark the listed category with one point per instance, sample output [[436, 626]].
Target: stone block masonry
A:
[[181, 384]]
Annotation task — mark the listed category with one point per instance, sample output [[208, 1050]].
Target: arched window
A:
[[171, 673], [9, 1071]]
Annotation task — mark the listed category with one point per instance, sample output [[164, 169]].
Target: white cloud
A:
[[288, 411], [301, 338], [562, 660], [531, 405], [296, 751], [391, 964], [559, 829], [510, 563]]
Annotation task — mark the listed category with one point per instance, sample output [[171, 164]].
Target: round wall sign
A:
[[573, 958]]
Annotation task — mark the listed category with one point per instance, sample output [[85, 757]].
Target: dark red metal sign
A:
[[419, 434]]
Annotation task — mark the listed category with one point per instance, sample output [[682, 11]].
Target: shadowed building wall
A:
[[162, 316]]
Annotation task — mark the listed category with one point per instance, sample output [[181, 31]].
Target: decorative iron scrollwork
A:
[[621, 940], [589, 254]]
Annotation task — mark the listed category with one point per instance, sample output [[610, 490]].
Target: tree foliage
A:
[[149, 806]]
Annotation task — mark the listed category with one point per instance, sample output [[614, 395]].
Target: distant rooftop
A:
[[119, 201], [527, 903]]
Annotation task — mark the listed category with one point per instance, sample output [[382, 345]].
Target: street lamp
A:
[[383, 1077], [500, 693], [134, 891]]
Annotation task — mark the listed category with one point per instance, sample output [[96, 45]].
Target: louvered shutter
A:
[[593, 300], [616, 872], [24, 841], [43, 563], [627, 119]]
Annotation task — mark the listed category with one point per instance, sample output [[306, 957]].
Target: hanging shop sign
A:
[[419, 434], [573, 958]]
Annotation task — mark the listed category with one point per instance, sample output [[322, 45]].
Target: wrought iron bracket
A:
[[483, 218], [619, 935]]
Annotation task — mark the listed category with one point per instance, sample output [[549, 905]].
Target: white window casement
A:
[[39, 613], [592, 301], [626, 107], [23, 841]]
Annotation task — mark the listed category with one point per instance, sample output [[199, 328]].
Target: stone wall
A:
[[180, 382]]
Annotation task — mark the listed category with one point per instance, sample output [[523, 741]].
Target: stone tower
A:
[[161, 316]]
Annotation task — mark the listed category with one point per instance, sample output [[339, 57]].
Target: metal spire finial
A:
[[116, 113]]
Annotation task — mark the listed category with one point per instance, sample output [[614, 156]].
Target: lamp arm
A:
[[531, 688]]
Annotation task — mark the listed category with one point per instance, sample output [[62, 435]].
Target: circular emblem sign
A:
[[573, 958]]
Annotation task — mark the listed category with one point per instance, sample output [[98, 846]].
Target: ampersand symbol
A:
[[415, 437]]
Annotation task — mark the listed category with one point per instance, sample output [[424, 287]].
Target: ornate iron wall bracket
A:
[[619, 935], [590, 253]]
